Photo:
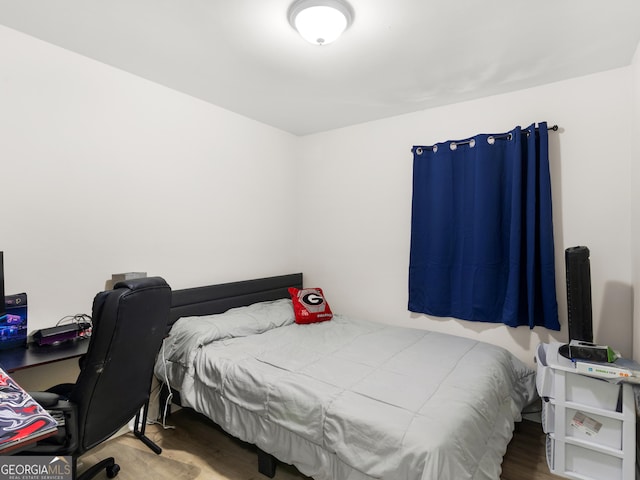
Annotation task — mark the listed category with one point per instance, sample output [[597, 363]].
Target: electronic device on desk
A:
[[63, 333], [13, 316], [3, 312]]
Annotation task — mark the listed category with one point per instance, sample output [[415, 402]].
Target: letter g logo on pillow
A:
[[312, 300]]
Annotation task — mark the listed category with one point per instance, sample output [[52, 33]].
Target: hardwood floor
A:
[[526, 454], [197, 450]]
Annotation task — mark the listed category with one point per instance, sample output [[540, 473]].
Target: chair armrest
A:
[[46, 399], [65, 441]]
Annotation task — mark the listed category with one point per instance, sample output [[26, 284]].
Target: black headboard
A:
[[219, 298]]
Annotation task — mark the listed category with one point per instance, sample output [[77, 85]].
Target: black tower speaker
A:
[[579, 294]]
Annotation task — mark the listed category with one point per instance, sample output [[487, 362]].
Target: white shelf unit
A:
[[590, 422]]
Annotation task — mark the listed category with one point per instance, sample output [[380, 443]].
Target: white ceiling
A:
[[399, 56]]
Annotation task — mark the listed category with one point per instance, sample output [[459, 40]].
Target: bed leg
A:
[[266, 464]]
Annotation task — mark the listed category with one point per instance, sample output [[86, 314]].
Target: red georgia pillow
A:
[[309, 305]]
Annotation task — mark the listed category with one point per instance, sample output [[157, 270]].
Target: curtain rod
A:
[[491, 140]]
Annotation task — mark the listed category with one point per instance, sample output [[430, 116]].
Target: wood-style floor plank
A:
[[201, 450], [526, 454]]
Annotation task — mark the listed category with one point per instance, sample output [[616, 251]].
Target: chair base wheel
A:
[[112, 470], [108, 464]]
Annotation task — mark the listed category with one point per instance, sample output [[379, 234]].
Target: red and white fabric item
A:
[[309, 305]]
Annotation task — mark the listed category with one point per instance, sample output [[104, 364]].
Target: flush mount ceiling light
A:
[[320, 21]]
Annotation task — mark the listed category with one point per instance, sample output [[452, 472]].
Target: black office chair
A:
[[129, 323]]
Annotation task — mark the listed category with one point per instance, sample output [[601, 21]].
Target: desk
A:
[[19, 358]]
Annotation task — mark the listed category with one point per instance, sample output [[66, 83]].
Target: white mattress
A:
[[349, 399]]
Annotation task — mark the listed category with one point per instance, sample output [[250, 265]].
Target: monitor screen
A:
[[13, 316], [3, 310]]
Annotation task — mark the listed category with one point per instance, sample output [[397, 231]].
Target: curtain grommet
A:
[[491, 140], [472, 142], [434, 149], [453, 146]]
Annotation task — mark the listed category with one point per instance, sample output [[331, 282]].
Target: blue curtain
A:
[[482, 230]]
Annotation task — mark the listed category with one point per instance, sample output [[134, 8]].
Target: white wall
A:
[[635, 202], [104, 172], [358, 186], [112, 173]]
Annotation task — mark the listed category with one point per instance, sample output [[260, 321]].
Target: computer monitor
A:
[[3, 309], [13, 315]]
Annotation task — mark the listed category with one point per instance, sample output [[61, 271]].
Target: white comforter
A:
[[348, 399]]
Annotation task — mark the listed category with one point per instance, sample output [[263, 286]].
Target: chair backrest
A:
[[129, 324]]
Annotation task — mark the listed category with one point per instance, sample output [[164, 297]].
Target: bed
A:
[[344, 399]]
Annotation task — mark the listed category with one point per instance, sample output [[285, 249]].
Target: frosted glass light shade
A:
[[320, 21]]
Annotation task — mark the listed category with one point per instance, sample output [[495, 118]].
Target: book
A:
[[621, 369], [22, 419]]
